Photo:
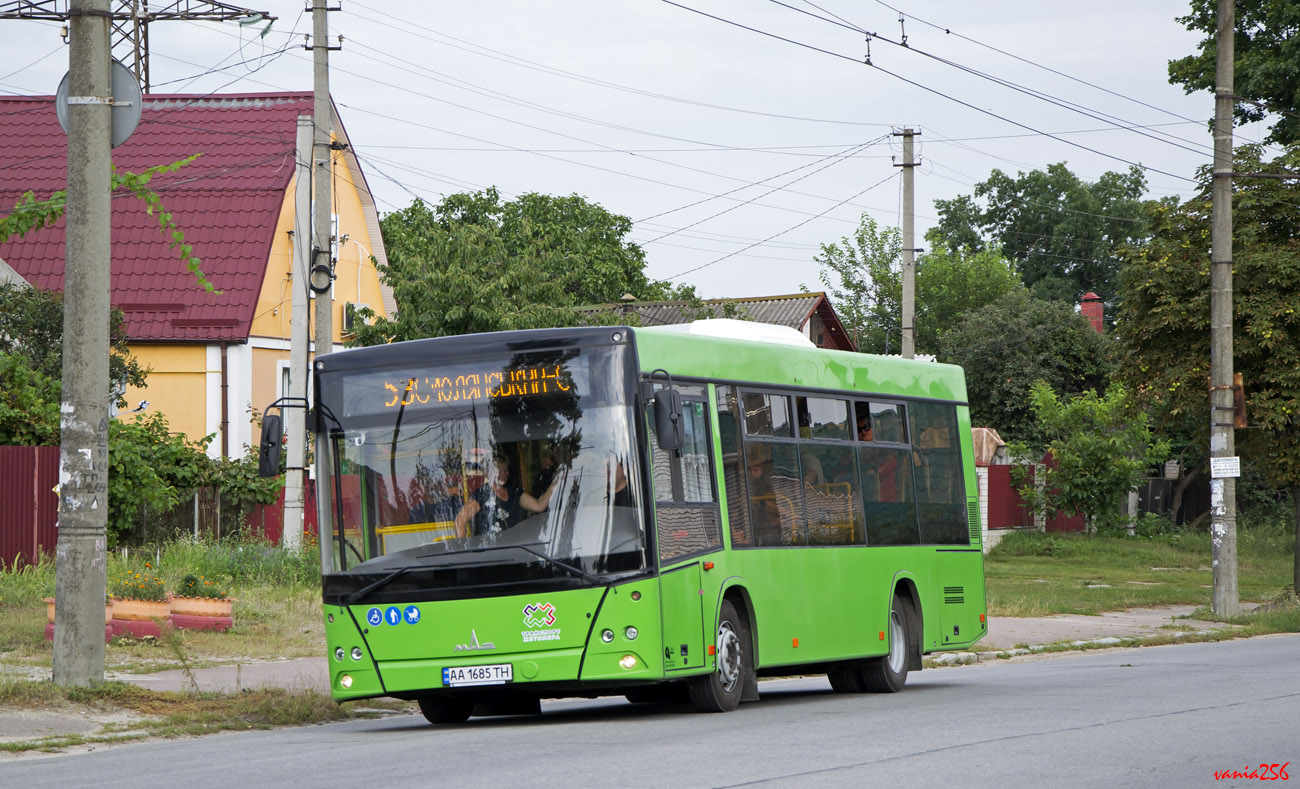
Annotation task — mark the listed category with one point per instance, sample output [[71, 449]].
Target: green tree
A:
[[1164, 322], [1015, 341], [857, 274], [474, 263], [1063, 234], [1101, 447], [863, 276], [29, 404], [31, 327], [1266, 62], [154, 469]]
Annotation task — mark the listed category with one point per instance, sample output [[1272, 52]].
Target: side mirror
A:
[[268, 455], [669, 428]]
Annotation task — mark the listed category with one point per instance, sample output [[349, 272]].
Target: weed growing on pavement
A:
[[161, 714]]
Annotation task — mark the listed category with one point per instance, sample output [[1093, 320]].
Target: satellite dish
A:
[[128, 101]]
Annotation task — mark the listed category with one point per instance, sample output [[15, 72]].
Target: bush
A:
[[1028, 543], [244, 561]]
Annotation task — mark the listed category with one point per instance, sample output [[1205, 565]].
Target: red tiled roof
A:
[[227, 203]]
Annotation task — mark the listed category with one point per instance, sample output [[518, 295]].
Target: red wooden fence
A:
[[1008, 511], [29, 510]]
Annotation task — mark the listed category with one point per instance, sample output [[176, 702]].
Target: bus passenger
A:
[[765, 512]]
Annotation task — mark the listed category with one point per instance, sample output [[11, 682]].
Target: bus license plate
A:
[[496, 674]]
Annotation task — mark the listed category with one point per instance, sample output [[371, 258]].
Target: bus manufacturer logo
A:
[[474, 644], [539, 615]]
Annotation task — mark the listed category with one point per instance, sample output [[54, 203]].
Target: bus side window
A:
[[940, 489], [733, 468]]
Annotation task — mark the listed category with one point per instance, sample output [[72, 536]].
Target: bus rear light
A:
[[345, 681], [628, 661]]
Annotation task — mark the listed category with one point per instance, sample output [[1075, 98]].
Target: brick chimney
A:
[[1090, 308]]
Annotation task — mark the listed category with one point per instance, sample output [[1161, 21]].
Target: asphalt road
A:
[[1158, 716]]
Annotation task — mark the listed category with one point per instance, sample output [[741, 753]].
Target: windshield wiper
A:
[[576, 570], [356, 596]]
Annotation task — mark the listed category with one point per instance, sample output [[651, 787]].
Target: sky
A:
[[736, 151]]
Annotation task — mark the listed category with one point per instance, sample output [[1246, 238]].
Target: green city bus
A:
[[663, 513]]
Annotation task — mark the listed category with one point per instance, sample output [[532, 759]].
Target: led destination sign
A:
[[481, 385]]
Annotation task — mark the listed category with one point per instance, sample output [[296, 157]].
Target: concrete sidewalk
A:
[[1005, 633], [310, 673]]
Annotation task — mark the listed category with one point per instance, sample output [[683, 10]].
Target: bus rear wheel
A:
[[720, 690], [846, 680], [888, 674], [446, 709]]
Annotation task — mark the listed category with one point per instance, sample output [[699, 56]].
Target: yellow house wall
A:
[[176, 386], [357, 281], [185, 382], [266, 377]]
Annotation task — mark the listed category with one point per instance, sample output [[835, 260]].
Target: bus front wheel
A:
[[446, 709], [720, 690], [888, 674]]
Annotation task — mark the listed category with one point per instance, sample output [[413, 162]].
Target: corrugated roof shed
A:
[[792, 310], [227, 203]]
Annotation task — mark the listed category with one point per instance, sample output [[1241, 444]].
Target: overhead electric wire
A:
[[926, 88], [1050, 70], [834, 159], [1040, 95], [829, 164], [783, 232], [562, 134], [407, 24], [570, 161]]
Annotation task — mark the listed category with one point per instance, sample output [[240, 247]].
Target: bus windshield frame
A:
[[453, 475]]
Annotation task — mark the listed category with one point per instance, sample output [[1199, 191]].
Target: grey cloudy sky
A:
[[735, 153]]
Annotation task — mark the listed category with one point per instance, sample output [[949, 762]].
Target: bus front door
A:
[[683, 617]]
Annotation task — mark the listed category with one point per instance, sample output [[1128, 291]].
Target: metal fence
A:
[[29, 508]]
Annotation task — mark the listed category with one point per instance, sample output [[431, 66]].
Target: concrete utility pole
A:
[[909, 245], [322, 115], [1223, 485], [79, 576], [299, 337]]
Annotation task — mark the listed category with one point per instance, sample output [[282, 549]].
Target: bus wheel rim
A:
[[897, 645], [728, 656]]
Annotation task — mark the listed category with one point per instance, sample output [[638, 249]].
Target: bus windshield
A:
[[523, 462]]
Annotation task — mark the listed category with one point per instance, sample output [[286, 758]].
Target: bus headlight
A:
[[340, 653], [356, 653], [631, 633], [345, 681], [628, 661], [607, 635]]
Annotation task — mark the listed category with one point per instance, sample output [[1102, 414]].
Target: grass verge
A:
[[1036, 574]]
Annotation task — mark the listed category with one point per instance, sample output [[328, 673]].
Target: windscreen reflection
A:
[[542, 478]]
